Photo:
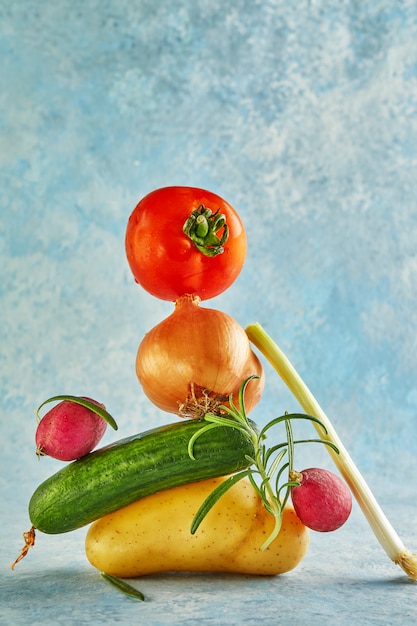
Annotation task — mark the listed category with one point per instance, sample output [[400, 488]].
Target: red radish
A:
[[69, 430], [322, 501]]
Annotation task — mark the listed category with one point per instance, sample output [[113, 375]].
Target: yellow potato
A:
[[153, 535]]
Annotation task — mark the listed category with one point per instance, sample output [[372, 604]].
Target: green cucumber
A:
[[114, 476]]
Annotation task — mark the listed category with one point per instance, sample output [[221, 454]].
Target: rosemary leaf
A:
[[124, 587]]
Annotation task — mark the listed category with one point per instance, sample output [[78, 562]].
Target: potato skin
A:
[[153, 535]]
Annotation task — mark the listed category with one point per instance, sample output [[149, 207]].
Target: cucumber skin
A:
[[129, 469]]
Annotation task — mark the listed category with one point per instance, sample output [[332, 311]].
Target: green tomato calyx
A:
[[202, 227]]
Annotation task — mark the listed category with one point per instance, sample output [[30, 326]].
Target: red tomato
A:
[[168, 262]]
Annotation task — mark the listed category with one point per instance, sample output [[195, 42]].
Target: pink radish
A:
[[322, 500], [70, 430]]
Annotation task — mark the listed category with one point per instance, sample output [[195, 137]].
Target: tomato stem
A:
[[202, 228]]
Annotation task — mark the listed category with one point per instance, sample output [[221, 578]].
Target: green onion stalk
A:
[[382, 528]]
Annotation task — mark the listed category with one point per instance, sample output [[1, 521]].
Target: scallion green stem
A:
[[383, 530]]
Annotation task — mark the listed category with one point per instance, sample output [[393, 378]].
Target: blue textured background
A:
[[303, 115]]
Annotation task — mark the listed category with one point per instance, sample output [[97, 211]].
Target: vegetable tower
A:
[[204, 493]]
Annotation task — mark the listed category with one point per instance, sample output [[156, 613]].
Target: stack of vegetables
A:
[[203, 493]]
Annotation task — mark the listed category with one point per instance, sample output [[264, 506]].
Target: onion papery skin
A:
[[193, 360]]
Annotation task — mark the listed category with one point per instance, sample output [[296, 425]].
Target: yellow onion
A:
[[193, 360]]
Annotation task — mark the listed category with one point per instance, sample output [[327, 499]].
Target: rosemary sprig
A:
[[268, 465]]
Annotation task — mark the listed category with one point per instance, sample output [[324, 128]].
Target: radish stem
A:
[[383, 530]]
